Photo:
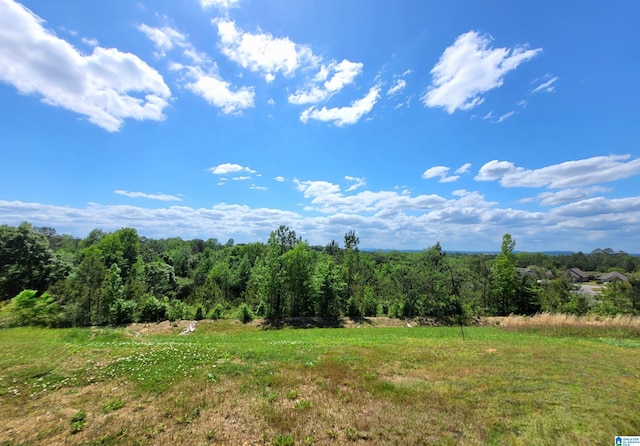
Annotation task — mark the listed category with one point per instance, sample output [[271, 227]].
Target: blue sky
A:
[[410, 122]]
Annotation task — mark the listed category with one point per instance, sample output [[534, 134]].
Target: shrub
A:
[[121, 312], [244, 313], [152, 310], [216, 312], [27, 308]]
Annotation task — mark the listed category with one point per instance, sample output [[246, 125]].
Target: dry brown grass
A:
[[566, 320]]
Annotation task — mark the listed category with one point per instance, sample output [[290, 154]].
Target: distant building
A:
[[577, 275], [614, 276]]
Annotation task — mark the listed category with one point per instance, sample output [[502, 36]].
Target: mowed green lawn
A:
[[232, 384]]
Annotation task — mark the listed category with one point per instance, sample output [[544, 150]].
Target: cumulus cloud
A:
[[200, 76], [585, 172], [107, 86], [279, 179], [323, 87], [341, 116], [469, 68], [216, 91], [263, 53], [227, 168], [159, 196]]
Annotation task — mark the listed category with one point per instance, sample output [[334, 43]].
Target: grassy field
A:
[[232, 384]]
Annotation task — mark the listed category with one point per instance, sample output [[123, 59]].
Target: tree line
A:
[[120, 277]]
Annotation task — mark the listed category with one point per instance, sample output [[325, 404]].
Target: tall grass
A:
[[567, 320]]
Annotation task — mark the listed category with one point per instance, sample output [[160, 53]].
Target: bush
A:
[[176, 311], [244, 313], [216, 312], [199, 313], [27, 308], [121, 312], [152, 310]]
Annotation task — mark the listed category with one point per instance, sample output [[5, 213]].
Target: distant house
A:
[[577, 275], [614, 276]]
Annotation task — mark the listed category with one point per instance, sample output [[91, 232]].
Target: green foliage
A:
[[284, 440], [112, 405], [28, 308], [244, 313], [78, 422], [26, 261], [109, 278], [151, 309], [216, 312]]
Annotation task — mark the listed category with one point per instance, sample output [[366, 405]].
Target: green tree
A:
[[504, 278], [26, 261]]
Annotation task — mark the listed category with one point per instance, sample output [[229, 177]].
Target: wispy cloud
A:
[[397, 87], [469, 68], [565, 196], [357, 183], [107, 86], [221, 4], [584, 172], [546, 84], [341, 116], [158, 196], [280, 179], [442, 172], [328, 81], [164, 38]]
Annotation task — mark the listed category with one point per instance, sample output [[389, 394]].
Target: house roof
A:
[[577, 272], [614, 275]]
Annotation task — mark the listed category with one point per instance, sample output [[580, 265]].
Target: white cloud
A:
[[469, 68], [107, 86], [585, 172], [89, 42], [254, 187], [357, 183], [341, 116], [227, 168], [218, 92], [241, 178], [564, 196], [262, 53], [383, 219], [344, 73], [504, 117], [463, 169], [399, 85], [164, 38], [279, 179], [547, 84], [435, 171], [222, 4], [441, 172], [159, 196]]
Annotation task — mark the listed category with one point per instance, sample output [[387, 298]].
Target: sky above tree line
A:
[[410, 122]]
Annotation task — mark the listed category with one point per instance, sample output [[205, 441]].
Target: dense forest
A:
[[120, 277]]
